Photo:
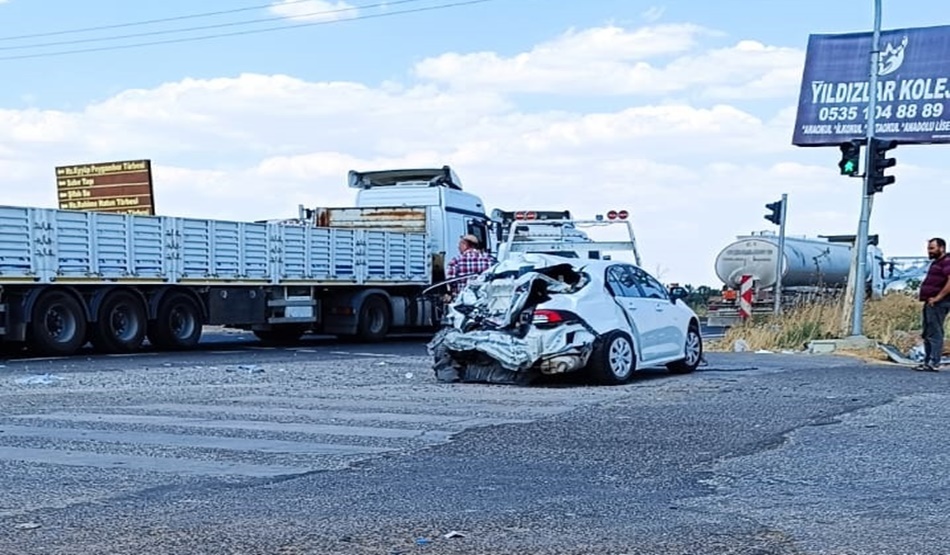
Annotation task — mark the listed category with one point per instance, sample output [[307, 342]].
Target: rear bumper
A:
[[551, 351]]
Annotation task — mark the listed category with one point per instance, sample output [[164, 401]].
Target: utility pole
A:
[[861, 242], [780, 259]]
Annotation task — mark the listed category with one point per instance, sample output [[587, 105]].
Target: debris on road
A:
[[913, 356], [740, 346], [28, 526], [44, 379], [453, 534], [249, 368]]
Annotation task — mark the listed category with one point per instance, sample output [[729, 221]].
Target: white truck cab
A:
[[450, 211]]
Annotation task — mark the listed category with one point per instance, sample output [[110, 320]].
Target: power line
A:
[[247, 32], [146, 22], [206, 27]]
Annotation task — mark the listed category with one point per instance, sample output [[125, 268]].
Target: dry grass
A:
[[895, 319]]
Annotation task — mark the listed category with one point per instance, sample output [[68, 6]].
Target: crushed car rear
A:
[[521, 319]]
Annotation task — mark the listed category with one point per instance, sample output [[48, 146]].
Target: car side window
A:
[[622, 282], [652, 288]]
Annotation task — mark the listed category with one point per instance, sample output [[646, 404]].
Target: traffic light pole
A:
[[861, 241], [780, 259]]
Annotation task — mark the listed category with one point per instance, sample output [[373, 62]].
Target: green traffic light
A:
[[850, 152]]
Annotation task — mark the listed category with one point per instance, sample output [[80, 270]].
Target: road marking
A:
[[254, 425], [373, 355], [425, 407], [189, 441], [239, 434], [143, 463], [312, 414]]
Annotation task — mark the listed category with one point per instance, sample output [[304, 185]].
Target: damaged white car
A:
[[537, 314]]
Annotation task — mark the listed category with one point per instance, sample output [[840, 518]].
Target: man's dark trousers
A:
[[934, 317]]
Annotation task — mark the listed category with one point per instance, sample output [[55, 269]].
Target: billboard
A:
[[913, 89], [118, 187]]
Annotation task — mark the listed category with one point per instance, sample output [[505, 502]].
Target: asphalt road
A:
[[330, 448]]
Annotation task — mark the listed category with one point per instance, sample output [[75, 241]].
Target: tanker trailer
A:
[[808, 265], [807, 262]]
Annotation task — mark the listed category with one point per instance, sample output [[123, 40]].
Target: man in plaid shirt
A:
[[471, 262]]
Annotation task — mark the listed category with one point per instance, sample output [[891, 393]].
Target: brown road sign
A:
[[118, 187]]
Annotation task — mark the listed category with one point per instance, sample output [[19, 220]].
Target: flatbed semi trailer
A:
[[68, 278]]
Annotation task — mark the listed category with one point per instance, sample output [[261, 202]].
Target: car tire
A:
[[613, 360], [694, 353]]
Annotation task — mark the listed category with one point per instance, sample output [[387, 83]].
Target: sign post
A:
[[861, 245], [118, 187]]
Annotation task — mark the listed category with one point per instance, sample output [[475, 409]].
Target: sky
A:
[[681, 112]]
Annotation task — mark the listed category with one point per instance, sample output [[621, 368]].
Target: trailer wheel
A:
[[120, 325], [178, 325], [375, 319], [283, 334], [58, 324]]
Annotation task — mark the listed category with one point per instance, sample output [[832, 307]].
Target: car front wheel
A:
[[693, 351]]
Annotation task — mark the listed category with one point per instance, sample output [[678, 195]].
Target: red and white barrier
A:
[[746, 295]]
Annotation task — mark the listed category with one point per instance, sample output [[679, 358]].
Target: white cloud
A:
[[615, 61], [692, 175], [313, 10]]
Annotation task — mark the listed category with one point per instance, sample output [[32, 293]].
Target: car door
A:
[[670, 336], [639, 308]]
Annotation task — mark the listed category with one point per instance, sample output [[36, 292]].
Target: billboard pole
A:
[[861, 242]]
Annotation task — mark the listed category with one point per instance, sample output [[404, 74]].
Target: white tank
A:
[[808, 262]]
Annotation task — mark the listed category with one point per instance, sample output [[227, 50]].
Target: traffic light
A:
[[776, 212], [879, 162], [850, 153]]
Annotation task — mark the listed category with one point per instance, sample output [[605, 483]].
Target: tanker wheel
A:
[[178, 325], [58, 324]]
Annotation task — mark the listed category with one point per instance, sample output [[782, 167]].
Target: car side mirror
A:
[[678, 293]]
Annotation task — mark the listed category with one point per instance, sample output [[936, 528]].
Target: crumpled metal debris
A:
[[913, 356]]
